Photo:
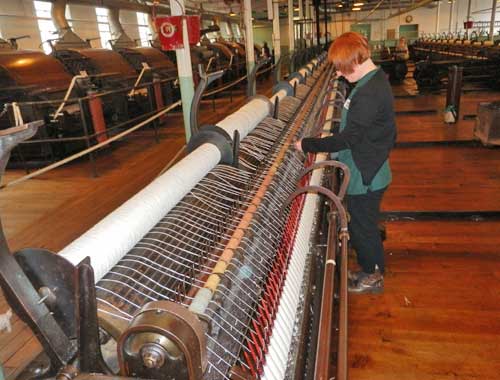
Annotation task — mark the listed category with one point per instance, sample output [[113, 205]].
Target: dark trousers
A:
[[364, 233]]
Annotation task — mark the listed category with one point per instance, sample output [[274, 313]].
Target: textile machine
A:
[[479, 59], [224, 267]]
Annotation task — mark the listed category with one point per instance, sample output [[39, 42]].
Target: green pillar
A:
[[184, 68], [247, 18]]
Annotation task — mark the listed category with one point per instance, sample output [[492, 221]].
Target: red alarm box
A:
[[170, 31]]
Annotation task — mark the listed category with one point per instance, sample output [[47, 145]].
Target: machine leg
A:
[[87, 137]]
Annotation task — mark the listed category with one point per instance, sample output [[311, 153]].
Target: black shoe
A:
[[367, 283]]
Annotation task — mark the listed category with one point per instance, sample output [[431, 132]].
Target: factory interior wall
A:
[[18, 18], [425, 17]]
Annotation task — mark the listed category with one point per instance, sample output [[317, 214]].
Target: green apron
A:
[[383, 177]]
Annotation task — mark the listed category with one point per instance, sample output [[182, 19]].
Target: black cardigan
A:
[[370, 131]]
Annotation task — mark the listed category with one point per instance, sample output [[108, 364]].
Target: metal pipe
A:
[[276, 35], [450, 21], [58, 15], [291, 31], [492, 22], [323, 349], [114, 22], [307, 22], [409, 9], [468, 18], [249, 48], [184, 67], [326, 22], [316, 13], [438, 9]]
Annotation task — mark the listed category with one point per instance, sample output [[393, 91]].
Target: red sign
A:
[[170, 31], [193, 25]]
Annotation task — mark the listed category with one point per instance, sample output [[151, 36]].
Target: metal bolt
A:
[[153, 356]]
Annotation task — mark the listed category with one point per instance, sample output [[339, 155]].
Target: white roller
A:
[[119, 232], [282, 93], [246, 118], [115, 235], [278, 350], [304, 72]]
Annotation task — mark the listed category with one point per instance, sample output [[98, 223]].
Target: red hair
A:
[[348, 50]]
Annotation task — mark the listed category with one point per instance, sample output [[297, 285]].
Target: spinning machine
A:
[[224, 267], [21, 82], [480, 61]]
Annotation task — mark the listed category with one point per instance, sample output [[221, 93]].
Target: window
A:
[[103, 26], [47, 28], [410, 32], [236, 30], [225, 31], [144, 32], [212, 36]]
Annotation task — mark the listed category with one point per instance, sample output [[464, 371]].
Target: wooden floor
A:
[[439, 317]]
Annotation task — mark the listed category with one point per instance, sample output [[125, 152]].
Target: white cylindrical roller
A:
[[110, 239], [246, 118], [115, 235], [280, 94], [304, 72]]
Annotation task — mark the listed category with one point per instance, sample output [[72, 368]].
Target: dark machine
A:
[[393, 61], [21, 83], [480, 61], [233, 271]]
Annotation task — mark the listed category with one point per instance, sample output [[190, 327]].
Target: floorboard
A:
[[439, 317]]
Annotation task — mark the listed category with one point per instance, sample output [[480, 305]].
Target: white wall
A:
[[18, 18], [424, 17]]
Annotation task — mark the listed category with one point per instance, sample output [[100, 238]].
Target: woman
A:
[[366, 135]]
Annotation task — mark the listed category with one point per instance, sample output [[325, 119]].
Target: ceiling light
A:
[[296, 9], [356, 9], [359, 4], [232, 14], [339, 5]]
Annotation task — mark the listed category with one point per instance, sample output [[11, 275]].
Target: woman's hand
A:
[[298, 145]]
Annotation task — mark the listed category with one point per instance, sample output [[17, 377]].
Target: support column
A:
[[184, 67], [307, 24], [450, 21], [326, 22], [492, 23], [468, 18], [291, 29], [276, 35], [438, 9], [316, 13], [247, 20]]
